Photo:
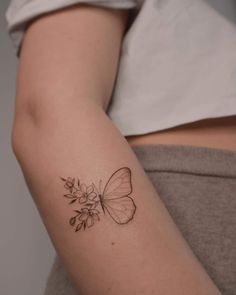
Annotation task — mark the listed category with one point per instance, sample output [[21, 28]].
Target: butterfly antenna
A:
[[95, 188], [100, 187]]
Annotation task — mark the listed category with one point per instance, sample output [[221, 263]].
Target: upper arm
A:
[[69, 55]]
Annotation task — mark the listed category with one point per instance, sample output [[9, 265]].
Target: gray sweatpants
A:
[[198, 188]]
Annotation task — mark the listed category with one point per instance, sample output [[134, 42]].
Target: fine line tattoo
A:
[[115, 199]]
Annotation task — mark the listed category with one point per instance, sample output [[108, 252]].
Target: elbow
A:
[[45, 122], [27, 125], [36, 137], [21, 134], [42, 122], [27, 145]]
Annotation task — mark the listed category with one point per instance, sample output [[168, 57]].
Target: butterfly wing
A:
[[115, 198], [118, 185], [121, 209]]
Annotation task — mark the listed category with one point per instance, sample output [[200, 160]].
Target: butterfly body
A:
[[101, 202]]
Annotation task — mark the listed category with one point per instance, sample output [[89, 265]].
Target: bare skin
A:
[[214, 133]]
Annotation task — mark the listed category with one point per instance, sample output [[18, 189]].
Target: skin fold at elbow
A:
[[47, 128]]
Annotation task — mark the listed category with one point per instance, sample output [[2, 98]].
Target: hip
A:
[[198, 186]]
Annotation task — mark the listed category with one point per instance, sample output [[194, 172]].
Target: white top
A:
[[177, 64]]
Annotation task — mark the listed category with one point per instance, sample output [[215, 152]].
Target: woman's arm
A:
[[66, 74]]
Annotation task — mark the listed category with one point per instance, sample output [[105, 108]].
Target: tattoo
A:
[[114, 199]]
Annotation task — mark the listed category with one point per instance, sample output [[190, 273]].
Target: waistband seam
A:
[[190, 173]]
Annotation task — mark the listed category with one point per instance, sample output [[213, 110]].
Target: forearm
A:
[[145, 255]]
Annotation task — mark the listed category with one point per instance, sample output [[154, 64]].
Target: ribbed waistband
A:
[[187, 159]]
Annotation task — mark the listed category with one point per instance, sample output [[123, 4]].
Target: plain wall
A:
[[26, 253]]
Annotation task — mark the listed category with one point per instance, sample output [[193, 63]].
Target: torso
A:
[[215, 133]]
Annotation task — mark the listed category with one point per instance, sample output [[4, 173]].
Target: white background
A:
[[26, 253]]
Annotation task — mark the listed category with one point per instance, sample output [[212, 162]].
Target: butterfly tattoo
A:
[[92, 201]]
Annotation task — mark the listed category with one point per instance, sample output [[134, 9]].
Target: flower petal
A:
[[83, 188], [85, 210], [92, 196], [77, 193], [94, 211], [83, 216], [89, 221], [83, 199], [89, 189]]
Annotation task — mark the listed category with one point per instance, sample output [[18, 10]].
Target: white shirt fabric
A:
[[177, 62]]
